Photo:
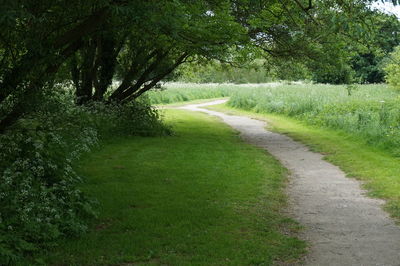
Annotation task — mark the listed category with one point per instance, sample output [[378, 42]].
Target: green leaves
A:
[[392, 69]]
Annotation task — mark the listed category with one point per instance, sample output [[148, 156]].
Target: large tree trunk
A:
[[85, 90], [105, 65], [138, 92], [126, 88]]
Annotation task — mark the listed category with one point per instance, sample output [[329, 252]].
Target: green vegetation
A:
[[164, 200], [182, 92], [106, 54], [39, 195], [370, 112], [174, 92], [256, 71], [379, 169], [341, 61], [359, 133], [90, 49], [393, 69]]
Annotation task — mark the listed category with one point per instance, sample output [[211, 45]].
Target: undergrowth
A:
[[39, 195]]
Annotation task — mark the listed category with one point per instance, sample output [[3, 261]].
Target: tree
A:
[[36, 39], [142, 42], [392, 69], [368, 63], [163, 35], [333, 39]]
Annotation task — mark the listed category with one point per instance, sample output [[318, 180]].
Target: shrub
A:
[[392, 69], [39, 189], [134, 118]]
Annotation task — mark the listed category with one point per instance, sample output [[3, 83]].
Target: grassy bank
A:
[[200, 197], [378, 168]]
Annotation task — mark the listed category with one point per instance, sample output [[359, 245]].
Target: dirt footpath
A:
[[343, 226]]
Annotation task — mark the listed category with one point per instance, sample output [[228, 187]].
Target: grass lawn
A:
[[200, 197], [379, 169]]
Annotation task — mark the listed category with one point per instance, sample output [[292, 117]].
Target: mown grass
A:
[[379, 169], [200, 197]]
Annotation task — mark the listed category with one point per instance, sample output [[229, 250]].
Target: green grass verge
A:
[[379, 169], [200, 197]]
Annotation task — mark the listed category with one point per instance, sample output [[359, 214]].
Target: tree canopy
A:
[[140, 43]]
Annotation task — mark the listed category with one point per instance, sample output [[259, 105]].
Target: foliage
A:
[[358, 52], [392, 69], [368, 68], [351, 51], [38, 188], [350, 88], [368, 63], [90, 47], [257, 71], [215, 72], [151, 47], [39, 192], [335, 72], [43, 44]]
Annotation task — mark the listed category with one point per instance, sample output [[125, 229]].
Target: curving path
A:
[[343, 226]]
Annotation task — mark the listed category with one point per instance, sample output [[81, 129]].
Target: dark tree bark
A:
[[105, 65], [85, 90], [157, 79], [27, 80], [120, 95], [132, 72], [75, 72]]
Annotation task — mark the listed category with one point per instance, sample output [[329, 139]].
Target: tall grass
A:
[[181, 92], [371, 112]]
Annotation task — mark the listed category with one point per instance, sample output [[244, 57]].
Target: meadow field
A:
[[369, 112], [175, 92]]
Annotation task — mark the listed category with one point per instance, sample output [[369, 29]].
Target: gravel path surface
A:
[[343, 226]]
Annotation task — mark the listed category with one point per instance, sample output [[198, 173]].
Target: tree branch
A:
[[156, 79]]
